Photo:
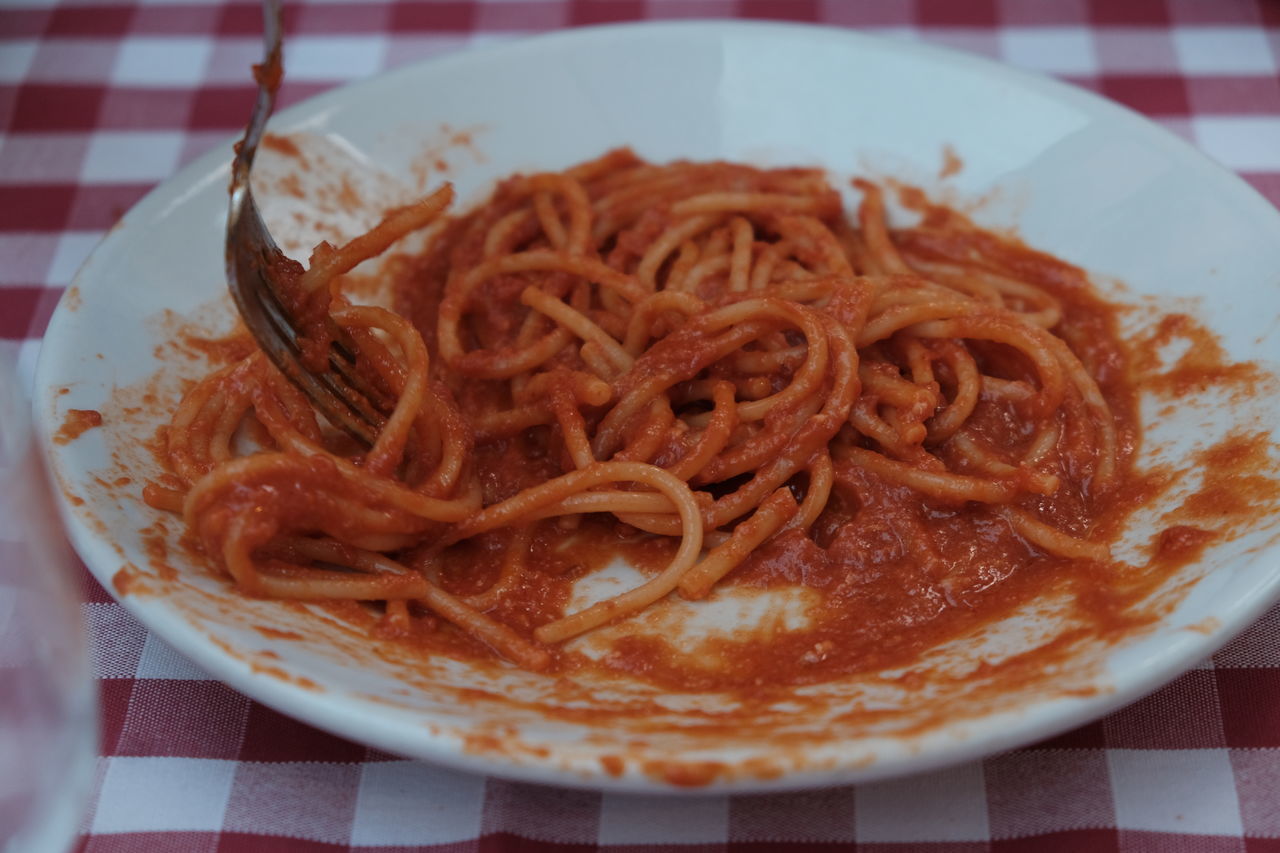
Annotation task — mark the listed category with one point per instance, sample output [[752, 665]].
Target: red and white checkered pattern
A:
[[100, 102]]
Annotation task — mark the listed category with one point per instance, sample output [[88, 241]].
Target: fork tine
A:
[[350, 400], [273, 329], [342, 360]]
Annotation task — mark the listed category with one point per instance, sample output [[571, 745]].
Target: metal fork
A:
[[339, 394]]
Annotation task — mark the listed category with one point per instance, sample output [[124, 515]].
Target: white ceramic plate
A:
[[1076, 176]]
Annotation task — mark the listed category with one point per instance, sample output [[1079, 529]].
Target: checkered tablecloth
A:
[[100, 102]]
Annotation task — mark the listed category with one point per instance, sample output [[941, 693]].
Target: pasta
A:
[[707, 356]]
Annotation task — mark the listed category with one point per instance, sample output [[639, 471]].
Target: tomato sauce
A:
[[76, 423], [887, 574]]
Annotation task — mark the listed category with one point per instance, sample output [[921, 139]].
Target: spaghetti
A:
[[708, 355]]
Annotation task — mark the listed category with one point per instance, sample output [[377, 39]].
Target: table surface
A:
[[100, 102]]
